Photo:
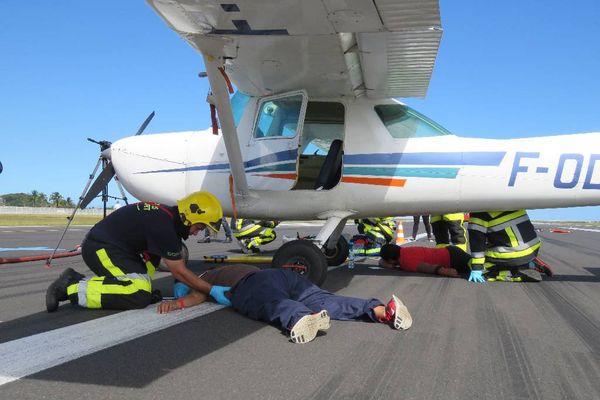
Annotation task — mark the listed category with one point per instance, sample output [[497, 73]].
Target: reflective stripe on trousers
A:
[[118, 286]]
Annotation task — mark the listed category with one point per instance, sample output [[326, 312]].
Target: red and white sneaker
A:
[[307, 327], [397, 314], [542, 267]]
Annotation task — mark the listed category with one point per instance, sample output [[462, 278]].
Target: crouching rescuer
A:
[[124, 248]]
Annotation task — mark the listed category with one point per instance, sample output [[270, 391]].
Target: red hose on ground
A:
[[15, 260]]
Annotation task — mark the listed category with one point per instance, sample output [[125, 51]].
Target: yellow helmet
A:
[[200, 207]]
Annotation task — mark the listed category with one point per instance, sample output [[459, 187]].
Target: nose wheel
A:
[[303, 257], [337, 255]]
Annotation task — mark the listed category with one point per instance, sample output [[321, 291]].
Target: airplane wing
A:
[[377, 48]]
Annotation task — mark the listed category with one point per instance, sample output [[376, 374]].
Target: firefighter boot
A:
[[57, 291]]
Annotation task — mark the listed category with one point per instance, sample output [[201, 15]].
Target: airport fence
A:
[[47, 211]]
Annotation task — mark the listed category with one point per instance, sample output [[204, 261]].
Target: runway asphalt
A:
[[492, 341]]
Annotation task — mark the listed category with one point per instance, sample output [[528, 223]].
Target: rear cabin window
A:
[[402, 122]]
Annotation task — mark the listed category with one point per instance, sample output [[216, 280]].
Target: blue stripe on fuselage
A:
[[286, 155], [480, 158], [445, 173]]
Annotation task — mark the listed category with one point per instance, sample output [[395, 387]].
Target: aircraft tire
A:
[[338, 255], [311, 262], [186, 257]]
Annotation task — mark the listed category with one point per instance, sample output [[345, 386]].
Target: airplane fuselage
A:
[[395, 162]]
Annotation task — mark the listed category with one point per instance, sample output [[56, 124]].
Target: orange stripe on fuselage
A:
[[375, 181], [280, 176]]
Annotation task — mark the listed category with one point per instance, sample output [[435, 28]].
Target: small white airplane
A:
[[313, 131]]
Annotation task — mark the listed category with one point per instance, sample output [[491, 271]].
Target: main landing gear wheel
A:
[[303, 257], [186, 257], [338, 255]]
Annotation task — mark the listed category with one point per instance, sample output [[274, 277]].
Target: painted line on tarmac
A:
[[32, 354], [27, 249], [583, 229]]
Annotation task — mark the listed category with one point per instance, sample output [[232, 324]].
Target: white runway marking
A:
[[29, 355], [583, 229]]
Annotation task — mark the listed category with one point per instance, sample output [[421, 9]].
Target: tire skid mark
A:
[[437, 291], [565, 387], [583, 325], [573, 246], [588, 364], [501, 335], [13, 284], [402, 362], [29, 293], [400, 367], [334, 387]]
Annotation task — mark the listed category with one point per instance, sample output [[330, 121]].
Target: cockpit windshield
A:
[[239, 101], [402, 122]]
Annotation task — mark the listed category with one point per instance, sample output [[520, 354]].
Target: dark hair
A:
[[390, 252]]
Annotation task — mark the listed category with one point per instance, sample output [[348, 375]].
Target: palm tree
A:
[[56, 198], [34, 196], [69, 202], [43, 199]]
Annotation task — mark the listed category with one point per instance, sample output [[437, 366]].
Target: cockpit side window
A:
[[278, 117], [403, 122]]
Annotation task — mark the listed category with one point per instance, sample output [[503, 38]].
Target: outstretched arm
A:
[[182, 274], [437, 269], [192, 299], [187, 277]]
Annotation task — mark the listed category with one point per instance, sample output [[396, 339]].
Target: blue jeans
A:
[[283, 297], [223, 224]]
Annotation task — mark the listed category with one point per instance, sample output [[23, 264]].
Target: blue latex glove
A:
[[218, 293], [476, 276], [180, 290]]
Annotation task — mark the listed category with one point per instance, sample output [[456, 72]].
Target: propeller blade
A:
[[145, 124], [100, 183]]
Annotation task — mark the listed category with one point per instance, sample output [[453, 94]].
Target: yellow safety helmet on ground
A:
[[200, 207]]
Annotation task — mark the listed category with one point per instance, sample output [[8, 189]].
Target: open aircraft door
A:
[[272, 157]]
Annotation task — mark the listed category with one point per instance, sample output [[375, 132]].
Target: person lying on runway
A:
[[449, 261], [291, 301]]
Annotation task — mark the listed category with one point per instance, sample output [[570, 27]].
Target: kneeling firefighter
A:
[[379, 231], [124, 249], [253, 234]]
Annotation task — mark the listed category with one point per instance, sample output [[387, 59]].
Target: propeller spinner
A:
[[108, 172]]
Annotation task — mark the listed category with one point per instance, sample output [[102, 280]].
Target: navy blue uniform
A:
[[283, 297], [123, 250]]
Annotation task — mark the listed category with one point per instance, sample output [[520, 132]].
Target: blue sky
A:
[[76, 69]]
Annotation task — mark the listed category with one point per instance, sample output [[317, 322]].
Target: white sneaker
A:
[[397, 314], [307, 327]]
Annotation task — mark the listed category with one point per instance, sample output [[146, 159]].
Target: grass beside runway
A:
[[46, 220]]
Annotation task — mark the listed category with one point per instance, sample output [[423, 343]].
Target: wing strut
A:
[[220, 95]]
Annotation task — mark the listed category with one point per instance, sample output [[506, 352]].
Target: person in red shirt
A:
[[448, 261]]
